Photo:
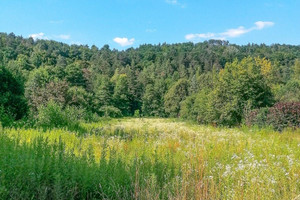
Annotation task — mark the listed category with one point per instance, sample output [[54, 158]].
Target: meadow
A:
[[137, 158]]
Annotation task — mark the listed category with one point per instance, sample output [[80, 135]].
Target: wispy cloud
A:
[[63, 37], [175, 3], [56, 21], [43, 36], [124, 41], [260, 24], [230, 33], [36, 36]]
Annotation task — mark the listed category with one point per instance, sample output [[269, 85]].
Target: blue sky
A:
[[128, 23]]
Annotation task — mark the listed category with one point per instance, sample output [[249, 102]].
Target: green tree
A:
[[175, 95], [290, 92], [121, 94], [12, 98], [75, 75], [153, 102], [296, 70], [103, 90], [79, 97], [241, 85]]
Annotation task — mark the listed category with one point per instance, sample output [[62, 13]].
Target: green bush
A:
[[54, 116], [5, 118], [198, 107], [137, 113]]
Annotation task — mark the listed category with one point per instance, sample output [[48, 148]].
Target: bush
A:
[[197, 107], [280, 116], [5, 118], [283, 115], [54, 116], [137, 113], [257, 117]]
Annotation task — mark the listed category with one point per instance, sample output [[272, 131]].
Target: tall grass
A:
[[150, 159]]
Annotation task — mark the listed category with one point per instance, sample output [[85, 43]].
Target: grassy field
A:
[[149, 159]]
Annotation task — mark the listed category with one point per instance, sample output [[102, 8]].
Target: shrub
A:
[[197, 107], [283, 115], [54, 116], [5, 118], [280, 116], [257, 117], [137, 113]]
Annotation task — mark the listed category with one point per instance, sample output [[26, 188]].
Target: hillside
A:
[[165, 80]]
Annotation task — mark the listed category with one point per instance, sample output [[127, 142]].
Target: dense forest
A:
[[211, 82]]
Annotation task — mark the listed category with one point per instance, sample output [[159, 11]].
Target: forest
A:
[[211, 82]]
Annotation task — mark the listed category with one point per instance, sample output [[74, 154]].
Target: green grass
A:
[[149, 159]]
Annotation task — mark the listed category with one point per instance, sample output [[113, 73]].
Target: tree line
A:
[[212, 82]]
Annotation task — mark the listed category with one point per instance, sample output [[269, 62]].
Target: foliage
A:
[[54, 116], [241, 86], [103, 92], [12, 101], [110, 111], [6, 119], [145, 78], [153, 100], [289, 92], [79, 97], [56, 91], [283, 115], [75, 75], [175, 95], [121, 93], [198, 107], [280, 116]]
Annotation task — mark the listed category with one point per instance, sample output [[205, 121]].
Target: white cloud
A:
[[63, 37], [230, 33], [36, 36], [124, 41], [260, 24], [42, 36], [200, 35]]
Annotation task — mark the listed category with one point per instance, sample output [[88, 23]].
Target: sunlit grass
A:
[[169, 159]]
